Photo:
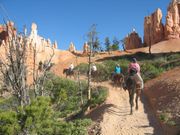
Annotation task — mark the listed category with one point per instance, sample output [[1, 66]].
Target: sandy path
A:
[[117, 121]]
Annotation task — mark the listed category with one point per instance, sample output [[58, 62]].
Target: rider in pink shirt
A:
[[137, 76], [134, 65]]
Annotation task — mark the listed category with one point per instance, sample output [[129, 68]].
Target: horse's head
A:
[[64, 70]]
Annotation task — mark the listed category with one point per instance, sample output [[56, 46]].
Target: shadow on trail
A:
[[97, 113], [151, 117], [118, 113]]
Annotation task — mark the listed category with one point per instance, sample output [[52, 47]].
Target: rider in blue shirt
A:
[[117, 69]]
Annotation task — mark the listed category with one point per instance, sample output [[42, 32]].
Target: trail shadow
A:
[[97, 113], [118, 113], [153, 122]]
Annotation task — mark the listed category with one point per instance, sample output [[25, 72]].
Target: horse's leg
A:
[[130, 101], [138, 92], [74, 76], [114, 82], [137, 100], [120, 83]]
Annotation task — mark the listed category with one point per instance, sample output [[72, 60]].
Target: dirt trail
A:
[[117, 121]]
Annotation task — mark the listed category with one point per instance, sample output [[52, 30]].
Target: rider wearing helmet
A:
[[134, 70]]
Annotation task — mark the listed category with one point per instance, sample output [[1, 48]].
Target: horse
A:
[[133, 88], [118, 79], [69, 73], [95, 75]]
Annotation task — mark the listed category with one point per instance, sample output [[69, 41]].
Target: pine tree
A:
[[107, 44]]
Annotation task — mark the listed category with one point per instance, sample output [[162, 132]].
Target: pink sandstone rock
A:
[[85, 48], [153, 28], [172, 26], [133, 41]]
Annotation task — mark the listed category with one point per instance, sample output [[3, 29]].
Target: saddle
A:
[[93, 72], [70, 72]]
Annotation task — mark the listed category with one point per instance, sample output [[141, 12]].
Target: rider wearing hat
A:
[[134, 70]]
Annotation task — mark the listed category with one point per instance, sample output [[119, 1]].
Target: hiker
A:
[[134, 70]]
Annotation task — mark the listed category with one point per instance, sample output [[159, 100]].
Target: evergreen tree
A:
[[107, 44], [115, 45], [96, 45]]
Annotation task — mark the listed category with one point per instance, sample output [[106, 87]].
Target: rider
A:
[[134, 70], [117, 69], [94, 68], [71, 67]]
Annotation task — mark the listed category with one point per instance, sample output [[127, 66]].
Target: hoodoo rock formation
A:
[[133, 41], [33, 39], [7, 30], [86, 48], [172, 26], [72, 48], [155, 31], [153, 28]]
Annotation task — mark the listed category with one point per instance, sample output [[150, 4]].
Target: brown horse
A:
[[118, 80], [70, 73], [133, 88], [95, 75]]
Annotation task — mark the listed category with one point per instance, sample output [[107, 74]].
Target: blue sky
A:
[[70, 20]]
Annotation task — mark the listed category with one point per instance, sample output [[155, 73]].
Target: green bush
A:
[[83, 68], [9, 124], [77, 127], [8, 103], [167, 119], [66, 95], [173, 56], [99, 95], [149, 71], [38, 118]]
